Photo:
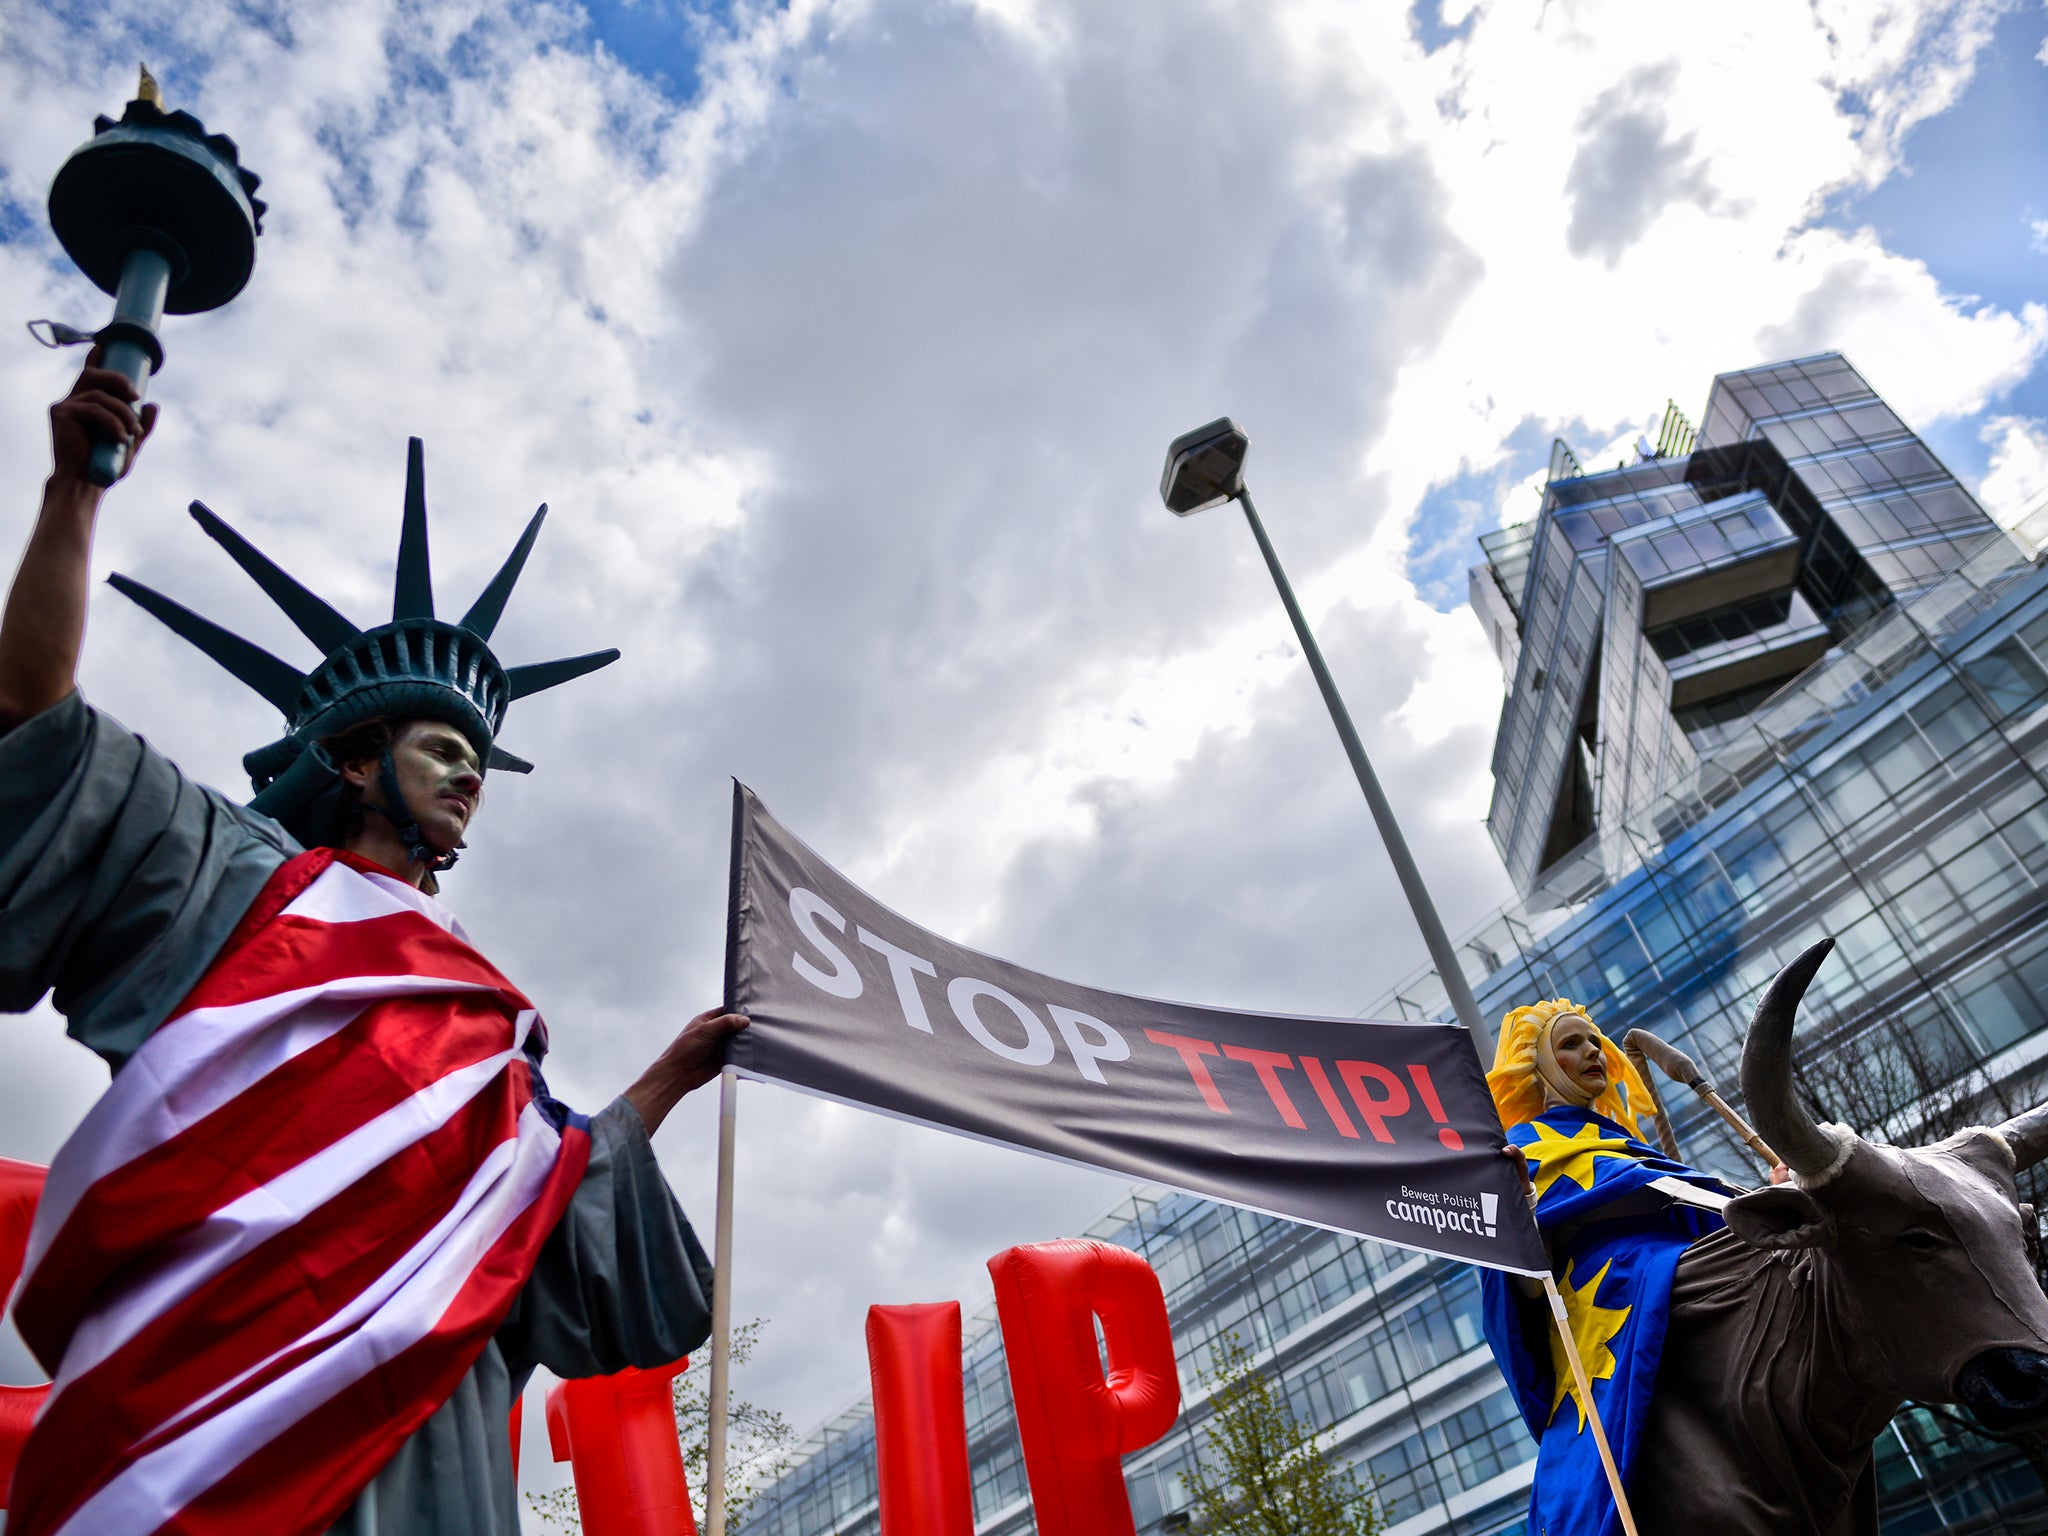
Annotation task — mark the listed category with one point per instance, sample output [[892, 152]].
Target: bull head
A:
[[1924, 1246]]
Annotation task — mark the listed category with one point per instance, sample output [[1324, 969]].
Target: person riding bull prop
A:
[[1747, 1348], [297, 1263]]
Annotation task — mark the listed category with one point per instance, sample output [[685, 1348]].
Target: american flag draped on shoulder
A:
[[282, 1237]]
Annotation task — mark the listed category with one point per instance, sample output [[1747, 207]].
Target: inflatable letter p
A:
[[1077, 1423]]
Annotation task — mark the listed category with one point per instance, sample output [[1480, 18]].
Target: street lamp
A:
[[1205, 468]]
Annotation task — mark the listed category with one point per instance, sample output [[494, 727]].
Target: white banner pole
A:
[[721, 1306]]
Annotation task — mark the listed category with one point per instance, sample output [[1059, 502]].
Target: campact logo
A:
[[1442, 1212]]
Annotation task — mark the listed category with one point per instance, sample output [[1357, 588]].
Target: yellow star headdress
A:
[[1518, 1089]]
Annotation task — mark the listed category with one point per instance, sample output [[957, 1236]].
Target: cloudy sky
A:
[[844, 339]]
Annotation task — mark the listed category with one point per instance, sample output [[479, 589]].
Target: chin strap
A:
[[405, 824]]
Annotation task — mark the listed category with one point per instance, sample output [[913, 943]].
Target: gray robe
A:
[[120, 880]]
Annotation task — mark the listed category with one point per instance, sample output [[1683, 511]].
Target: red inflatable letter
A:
[[618, 1434], [1076, 1424], [920, 1420], [21, 1185]]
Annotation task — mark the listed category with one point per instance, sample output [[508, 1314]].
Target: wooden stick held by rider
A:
[[1681, 1068]]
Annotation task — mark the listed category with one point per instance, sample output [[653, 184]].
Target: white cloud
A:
[[2015, 487], [848, 382], [1720, 269], [1929, 354], [1898, 64]]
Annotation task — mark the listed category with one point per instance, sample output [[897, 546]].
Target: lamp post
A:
[[1205, 468], [159, 213]]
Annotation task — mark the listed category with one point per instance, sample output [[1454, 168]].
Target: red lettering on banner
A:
[[1268, 1064], [1375, 1112], [1319, 1080], [1191, 1054], [1419, 1074]]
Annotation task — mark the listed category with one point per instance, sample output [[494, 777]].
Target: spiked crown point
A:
[[489, 607], [412, 595]]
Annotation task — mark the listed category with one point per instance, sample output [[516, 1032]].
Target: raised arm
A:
[[44, 622]]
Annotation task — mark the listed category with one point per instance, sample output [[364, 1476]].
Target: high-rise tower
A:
[[1649, 608]]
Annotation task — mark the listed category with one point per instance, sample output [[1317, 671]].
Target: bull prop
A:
[[1880, 1275]]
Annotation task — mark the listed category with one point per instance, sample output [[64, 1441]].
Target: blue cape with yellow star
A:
[[1615, 1240]]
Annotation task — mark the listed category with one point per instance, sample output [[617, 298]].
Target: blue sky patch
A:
[[1443, 541], [1430, 30], [18, 223], [661, 40], [1966, 202]]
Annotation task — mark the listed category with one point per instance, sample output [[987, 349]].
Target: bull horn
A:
[[2027, 1136], [1767, 1070]]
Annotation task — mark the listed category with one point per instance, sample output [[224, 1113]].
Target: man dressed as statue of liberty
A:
[[294, 1267]]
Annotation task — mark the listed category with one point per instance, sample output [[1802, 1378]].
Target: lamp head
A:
[[1204, 467]]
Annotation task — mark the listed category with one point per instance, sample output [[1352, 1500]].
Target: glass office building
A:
[[1648, 610], [1783, 681]]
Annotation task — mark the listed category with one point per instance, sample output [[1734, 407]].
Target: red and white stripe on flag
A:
[[282, 1237]]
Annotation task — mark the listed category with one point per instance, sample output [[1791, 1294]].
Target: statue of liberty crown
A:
[[415, 667]]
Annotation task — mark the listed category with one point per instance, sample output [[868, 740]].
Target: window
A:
[[2006, 998], [1752, 859], [1621, 960], [1952, 721], [2021, 816], [1723, 626], [1707, 538], [2013, 683], [1908, 461], [1797, 439], [1872, 421], [1406, 1484], [1672, 551], [1486, 1439], [1894, 762], [1872, 522]]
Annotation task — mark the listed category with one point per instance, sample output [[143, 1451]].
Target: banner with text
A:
[[1383, 1130]]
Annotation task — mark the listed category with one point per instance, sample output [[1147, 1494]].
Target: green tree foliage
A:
[[758, 1444], [1264, 1474]]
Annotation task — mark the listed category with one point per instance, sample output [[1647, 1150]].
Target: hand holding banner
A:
[[1385, 1130]]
